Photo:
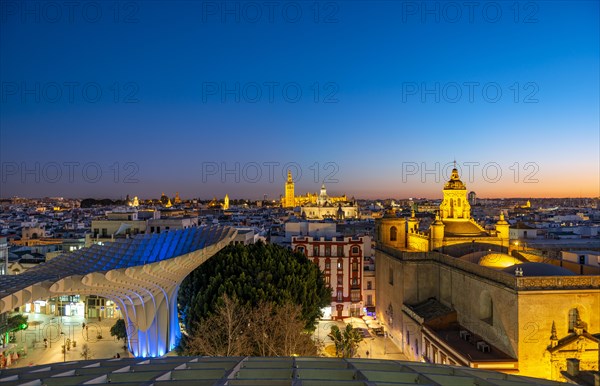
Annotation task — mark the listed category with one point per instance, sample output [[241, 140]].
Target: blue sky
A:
[[155, 95]]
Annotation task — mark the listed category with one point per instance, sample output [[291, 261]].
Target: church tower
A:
[[322, 196], [289, 199], [455, 204], [226, 202], [437, 233], [391, 230], [502, 227]]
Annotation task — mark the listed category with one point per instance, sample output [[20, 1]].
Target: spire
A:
[[553, 335], [289, 177]]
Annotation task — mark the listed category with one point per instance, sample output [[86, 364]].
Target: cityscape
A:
[[299, 193]]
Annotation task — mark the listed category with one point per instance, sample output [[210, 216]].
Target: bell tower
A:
[[455, 204], [290, 198]]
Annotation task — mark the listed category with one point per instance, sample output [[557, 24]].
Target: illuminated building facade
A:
[[290, 200], [448, 310], [453, 232], [319, 206], [449, 295], [341, 259]]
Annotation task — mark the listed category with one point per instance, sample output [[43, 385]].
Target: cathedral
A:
[[318, 205], [453, 232], [449, 295]]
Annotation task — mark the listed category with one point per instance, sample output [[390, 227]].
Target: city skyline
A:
[[206, 100]]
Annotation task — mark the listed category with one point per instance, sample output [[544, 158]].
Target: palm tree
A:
[[346, 341], [338, 340]]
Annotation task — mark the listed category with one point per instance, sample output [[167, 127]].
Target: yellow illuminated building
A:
[[453, 231], [450, 294], [226, 202], [290, 200]]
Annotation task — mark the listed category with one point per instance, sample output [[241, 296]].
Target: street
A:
[[30, 345], [377, 346]]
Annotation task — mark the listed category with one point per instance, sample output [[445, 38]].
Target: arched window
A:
[[355, 250], [393, 234], [573, 316]]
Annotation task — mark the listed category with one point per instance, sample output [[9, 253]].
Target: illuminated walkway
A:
[[141, 274]]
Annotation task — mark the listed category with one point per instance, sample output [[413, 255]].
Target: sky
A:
[[375, 99]]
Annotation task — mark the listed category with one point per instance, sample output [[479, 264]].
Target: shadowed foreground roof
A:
[[299, 371]]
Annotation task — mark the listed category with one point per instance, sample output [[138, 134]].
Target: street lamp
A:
[[64, 346], [51, 320]]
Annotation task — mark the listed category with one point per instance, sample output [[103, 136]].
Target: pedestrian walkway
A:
[[378, 347], [33, 351]]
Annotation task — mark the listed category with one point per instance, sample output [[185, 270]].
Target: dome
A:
[[498, 260], [474, 257], [455, 183], [540, 269]]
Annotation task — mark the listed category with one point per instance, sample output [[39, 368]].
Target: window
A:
[[355, 295], [393, 234], [328, 250], [354, 281], [301, 249], [417, 347], [327, 279], [355, 250], [340, 251], [581, 259], [355, 265], [369, 300], [573, 316], [315, 250], [340, 296], [391, 276], [369, 285], [340, 280], [339, 264], [327, 265], [407, 338]]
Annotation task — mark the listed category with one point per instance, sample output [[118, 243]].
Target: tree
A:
[[278, 330], [223, 333], [13, 323], [238, 330], [119, 330], [345, 341], [16, 322], [253, 274]]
